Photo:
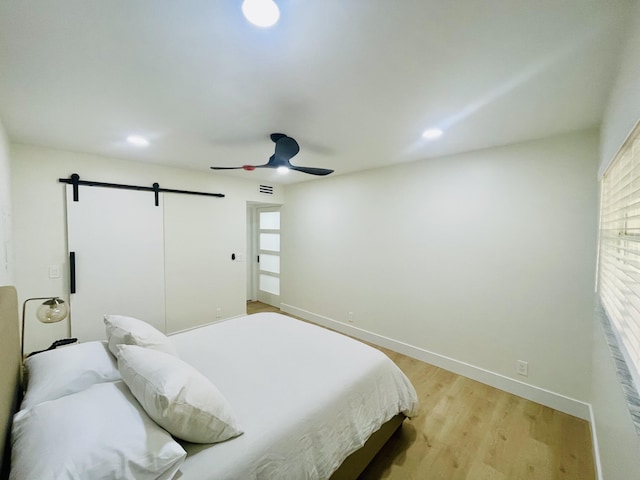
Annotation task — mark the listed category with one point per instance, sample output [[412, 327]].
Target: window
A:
[[619, 264]]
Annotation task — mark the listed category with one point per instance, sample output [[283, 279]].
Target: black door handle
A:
[[72, 271]]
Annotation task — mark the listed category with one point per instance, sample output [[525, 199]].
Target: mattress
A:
[[306, 397]]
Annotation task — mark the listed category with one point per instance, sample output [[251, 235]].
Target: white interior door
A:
[[204, 244], [117, 237], [268, 242]]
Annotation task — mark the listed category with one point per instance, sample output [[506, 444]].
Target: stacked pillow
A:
[[178, 397], [56, 373], [86, 416], [123, 330], [98, 433]]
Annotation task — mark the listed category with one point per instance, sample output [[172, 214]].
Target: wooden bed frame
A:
[[10, 378], [355, 463]]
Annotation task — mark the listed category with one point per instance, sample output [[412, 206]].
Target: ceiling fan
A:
[[286, 149]]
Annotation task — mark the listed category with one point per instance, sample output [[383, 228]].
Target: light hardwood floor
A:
[[466, 430]]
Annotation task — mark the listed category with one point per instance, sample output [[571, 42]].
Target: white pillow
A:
[[63, 371], [99, 433], [178, 397], [131, 331]]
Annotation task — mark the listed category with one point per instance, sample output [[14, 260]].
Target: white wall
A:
[[619, 445], [623, 109], [6, 250], [40, 224], [484, 258]]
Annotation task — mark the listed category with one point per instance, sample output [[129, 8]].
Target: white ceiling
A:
[[354, 81]]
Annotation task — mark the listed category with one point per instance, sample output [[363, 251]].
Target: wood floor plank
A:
[[466, 430]]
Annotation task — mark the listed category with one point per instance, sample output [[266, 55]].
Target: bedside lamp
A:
[[52, 310]]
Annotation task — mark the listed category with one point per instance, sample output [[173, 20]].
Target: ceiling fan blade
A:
[[276, 136], [243, 167], [311, 170], [286, 148]]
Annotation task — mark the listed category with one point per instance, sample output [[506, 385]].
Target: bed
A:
[[293, 401]]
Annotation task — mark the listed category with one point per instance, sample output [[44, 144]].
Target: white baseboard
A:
[[594, 441], [219, 320], [545, 397]]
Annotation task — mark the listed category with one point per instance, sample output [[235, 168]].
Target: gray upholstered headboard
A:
[[9, 369]]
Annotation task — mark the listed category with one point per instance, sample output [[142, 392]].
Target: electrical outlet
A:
[[218, 312], [522, 368], [350, 317]]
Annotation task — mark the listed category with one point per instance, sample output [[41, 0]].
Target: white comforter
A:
[[306, 397]]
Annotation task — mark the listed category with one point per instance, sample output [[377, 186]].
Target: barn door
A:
[[116, 238]]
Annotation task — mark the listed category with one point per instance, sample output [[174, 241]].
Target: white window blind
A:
[[619, 266]]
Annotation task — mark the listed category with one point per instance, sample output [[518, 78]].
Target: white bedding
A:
[[305, 397]]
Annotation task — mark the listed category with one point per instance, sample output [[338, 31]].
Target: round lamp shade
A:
[[52, 310]]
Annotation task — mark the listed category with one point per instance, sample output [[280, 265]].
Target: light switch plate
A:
[[54, 271]]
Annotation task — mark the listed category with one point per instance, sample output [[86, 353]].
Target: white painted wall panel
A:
[[6, 230], [617, 439], [623, 109], [618, 443], [485, 258]]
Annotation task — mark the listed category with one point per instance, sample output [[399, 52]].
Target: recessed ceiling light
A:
[[262, 13], [432, 133], [282, 170], [138, 141]]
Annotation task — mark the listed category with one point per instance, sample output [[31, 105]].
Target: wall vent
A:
[[266, 189]]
